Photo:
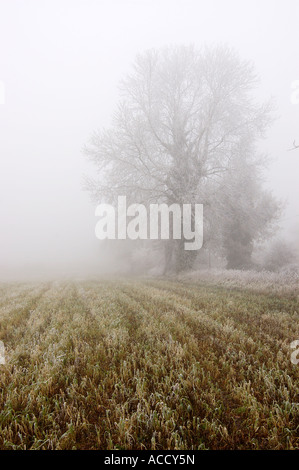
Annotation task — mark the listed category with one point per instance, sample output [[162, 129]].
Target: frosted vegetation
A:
[[149, 364], [286, 281]]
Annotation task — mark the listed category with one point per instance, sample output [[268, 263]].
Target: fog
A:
[[61, 62]]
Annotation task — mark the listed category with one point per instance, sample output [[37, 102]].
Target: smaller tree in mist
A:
[[247, 211], [179, 124], [281, 254]]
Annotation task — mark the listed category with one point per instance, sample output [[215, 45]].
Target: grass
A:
[[147, 364]]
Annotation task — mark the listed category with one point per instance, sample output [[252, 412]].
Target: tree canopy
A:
[[185, 117]]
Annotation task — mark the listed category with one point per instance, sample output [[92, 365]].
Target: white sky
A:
[[61, 61]]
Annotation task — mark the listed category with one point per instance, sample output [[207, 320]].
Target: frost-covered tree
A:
[[247, 211], [182, 116], [280, 254]]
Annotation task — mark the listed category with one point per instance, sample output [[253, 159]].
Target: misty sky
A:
[[61, 62]]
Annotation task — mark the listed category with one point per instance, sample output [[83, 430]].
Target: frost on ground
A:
[[2, 353], [149, 364], [264, 281]]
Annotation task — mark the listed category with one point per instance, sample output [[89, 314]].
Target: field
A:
[[148, 364]]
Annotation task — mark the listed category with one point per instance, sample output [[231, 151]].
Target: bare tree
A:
[[182, 116], [294, 146], [248, 211]]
